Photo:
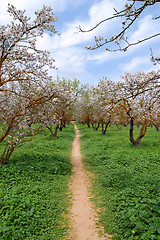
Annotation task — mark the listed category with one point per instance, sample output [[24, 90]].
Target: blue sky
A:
[[71, 58]]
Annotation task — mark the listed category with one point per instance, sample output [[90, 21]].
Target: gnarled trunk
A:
[[157, 127], [55, 131], [104, 129], [88, 121], [95, 126], [6, 154], [136, 142], [54, 134], [61, 126]]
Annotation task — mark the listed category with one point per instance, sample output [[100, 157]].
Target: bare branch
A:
[[131, 13]]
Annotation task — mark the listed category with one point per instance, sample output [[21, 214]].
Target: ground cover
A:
[[127, 185], [33, 188]]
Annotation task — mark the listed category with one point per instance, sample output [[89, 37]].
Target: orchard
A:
[[33, 104], [133, 101], [30, 96]]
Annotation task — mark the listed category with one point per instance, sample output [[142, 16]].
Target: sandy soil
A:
[[82, 214]]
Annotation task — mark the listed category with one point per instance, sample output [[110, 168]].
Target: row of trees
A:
[[27, 93], [30, 99], [135, 100]]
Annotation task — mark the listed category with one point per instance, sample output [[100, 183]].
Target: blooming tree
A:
[[98, 104], [23, 72], [139, 102], [60, 109], [134, 101], [108, 96], [85, 106]]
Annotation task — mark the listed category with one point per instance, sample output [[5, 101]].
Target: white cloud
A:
[[97, 12], [45, 42], [33, 5], [100, 58], [61, 5], [146, 28], [103, 9], [30, 6], [105, 56], [70, 61], [70, 36], [134, 64], [141, 63], [69, 57], [4, 16]]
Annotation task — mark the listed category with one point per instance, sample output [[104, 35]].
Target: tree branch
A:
[[131, 14]]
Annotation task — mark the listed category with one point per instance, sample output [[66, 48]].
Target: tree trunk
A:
[[118, 126], [55, 131], [102, 126], [104, 129], [95, 126], [50, 129], [157, 127], [54, 134], [61, 126], [131, 132], [88, 125], [136, 142], [6, 133], [88, 122], [6, 154], [64, 124]]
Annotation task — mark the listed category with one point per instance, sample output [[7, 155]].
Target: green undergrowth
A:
[[33, 188], [128, 181]]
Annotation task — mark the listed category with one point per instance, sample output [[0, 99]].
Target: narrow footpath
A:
[[82, 215]]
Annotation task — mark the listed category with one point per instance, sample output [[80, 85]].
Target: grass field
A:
[[128, 181], [33, 188], [34, 185]]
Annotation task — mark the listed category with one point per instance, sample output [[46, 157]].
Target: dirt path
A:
[[82, 215]]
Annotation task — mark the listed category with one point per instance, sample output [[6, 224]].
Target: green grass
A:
[[33, 188], [128, 181]]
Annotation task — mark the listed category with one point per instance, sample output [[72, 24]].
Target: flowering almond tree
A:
[[85, 107], [23, 72], [21, 113], [107, 98], [98, 104], [139, 102], [60, 109]]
